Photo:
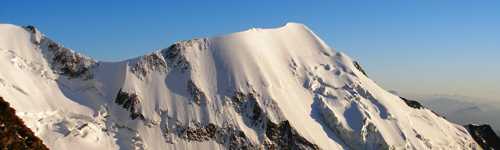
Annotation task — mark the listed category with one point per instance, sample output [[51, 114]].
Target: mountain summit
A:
[[281, 88]]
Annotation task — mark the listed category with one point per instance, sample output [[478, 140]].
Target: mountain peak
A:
[[281, 88]]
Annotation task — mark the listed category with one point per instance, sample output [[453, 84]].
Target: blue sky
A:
[[426, 47]]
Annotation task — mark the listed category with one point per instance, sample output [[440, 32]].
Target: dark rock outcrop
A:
[[63, 61], [174, 57], [412, 103], [67, 62], [197, 95], [70, 65], [30, 28], [148, 63], [14, 135], [279, 135], [229, 136], [248, 107], [283, 136], [358, 66], [199, 133], [484, 136], [417, 105], [129, 101]]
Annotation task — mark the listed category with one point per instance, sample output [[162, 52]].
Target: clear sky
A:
[[427, 47]]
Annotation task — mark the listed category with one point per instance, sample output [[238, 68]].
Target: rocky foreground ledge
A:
[[14, 135]]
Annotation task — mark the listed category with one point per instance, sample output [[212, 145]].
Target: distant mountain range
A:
[[465, 110]]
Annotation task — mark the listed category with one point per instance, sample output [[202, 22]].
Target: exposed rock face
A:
[[35, 39], [229, 136], [14, 135], [278, 135], [412, 103], [199, 133], [67, 62], [283, 136], [247, 106], [274, 135], [174, 57], [417, 105], [484, 136], [70, 64], [148, 63], [197, 95], [63, 61], [31, 28], [358, 66], [131, 102]]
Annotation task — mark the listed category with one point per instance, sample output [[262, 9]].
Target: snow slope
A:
[[261, 88]]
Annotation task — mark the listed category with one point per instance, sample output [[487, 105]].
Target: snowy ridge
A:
[[261, 88]]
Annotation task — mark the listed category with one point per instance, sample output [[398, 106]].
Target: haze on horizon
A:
[[419, 48]]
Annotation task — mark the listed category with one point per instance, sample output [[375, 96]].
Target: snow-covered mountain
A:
[[281, 88]]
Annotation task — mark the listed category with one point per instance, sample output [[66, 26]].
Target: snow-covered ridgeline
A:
[[261, 88]]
